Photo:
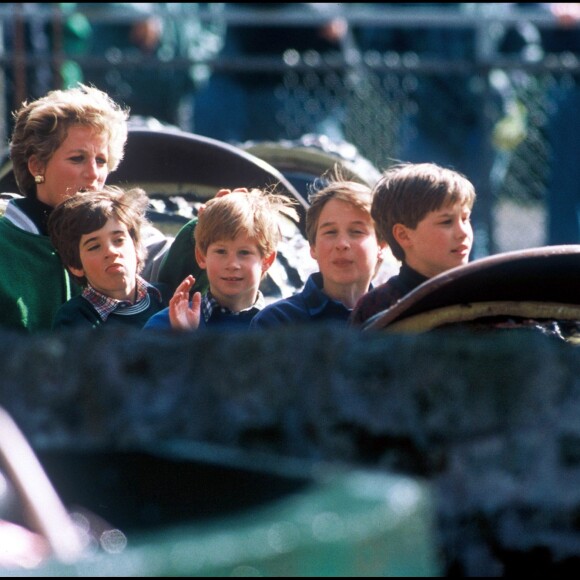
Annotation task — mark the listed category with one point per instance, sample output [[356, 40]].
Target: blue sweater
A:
[[220, 318], [310, 305]]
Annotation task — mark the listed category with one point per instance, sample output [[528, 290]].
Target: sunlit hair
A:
[[88, 212], [42, 126], [256, 214], [407, 192], [336, 188]]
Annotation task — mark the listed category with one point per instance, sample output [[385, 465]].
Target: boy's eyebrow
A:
[[449, 212], [90, 241], [96, 238], [330, 224]]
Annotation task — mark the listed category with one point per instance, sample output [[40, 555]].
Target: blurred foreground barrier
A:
[[183, 510], [490, 421]]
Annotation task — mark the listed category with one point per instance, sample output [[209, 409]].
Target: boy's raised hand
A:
[[222, 193], [182, 315]]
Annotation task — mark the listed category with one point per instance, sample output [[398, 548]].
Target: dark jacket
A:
[[79, 312], [386, 295]]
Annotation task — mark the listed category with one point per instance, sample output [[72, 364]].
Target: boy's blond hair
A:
[[351, 192], [407, 192], [254, 213]]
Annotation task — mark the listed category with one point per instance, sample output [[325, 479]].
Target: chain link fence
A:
[[378, 98], [376, 110]]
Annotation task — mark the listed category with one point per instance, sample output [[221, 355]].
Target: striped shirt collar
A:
[[209, 305], [105, 305], [16, 216]]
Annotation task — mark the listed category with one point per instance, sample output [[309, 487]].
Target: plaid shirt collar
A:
[[209, 305], [105, 305]]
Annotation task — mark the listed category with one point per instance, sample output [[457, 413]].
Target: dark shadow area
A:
[[139, 491]]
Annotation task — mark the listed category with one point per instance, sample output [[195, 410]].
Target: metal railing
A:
[[377, 89]]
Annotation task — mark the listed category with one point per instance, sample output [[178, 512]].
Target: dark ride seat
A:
[[540, 284]]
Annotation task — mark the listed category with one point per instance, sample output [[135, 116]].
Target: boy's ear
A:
[[382, 248], [313, 253], [401, 235], [268, 261], [200, 258], [78, 272]]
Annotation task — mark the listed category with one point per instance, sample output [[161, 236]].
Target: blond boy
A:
[[344, 243], [235, 243]]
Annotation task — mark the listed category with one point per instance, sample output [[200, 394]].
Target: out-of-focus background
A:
[[488, 89]]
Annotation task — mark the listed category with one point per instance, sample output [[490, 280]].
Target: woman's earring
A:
[[39, 179]]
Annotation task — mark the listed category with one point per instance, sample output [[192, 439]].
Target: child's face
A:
[[346, 248], [235, 269], [109, 261], [442, 240]]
